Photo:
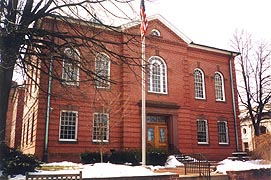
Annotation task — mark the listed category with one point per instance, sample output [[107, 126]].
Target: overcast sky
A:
[[213, 22]]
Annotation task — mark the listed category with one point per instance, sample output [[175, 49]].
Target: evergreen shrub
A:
[[92, 157], [14, 162]]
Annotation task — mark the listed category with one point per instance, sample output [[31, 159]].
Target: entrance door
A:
[[157, 136]]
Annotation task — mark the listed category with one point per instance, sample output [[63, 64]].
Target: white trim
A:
[[203, 84], [180, 34], [160, 61], [212, 49], [164, 21], [223, 87], [76, 126]]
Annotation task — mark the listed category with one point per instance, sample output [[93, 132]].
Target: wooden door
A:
[[157, 135]]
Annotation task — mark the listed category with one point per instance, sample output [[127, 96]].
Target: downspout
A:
[[48, 108], [234, 106]]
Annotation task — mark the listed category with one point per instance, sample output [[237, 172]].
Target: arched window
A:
[[155, 32], [102, 71], [70, 70], [157, 76], [219, 87], [199, 84]]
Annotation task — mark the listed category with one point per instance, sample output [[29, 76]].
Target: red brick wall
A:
[[125, 122], [14, 117]]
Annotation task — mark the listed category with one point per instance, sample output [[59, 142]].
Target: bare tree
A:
[[112, 112], [254, 74], [23, 36]]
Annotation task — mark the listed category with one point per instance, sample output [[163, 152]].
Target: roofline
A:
[[214, 49], [189, 42], [164, 21]]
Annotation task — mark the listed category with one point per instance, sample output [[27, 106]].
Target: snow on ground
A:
[[230, 165], [114, 170]]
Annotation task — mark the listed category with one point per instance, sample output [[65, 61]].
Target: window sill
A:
[[70, 84], [201, 99], [221, 101], [98, 141], [203, 143], [223, 144], [157, 93], [66, 141]]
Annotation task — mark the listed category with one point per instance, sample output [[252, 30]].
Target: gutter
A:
[[233, 102], [48, 108]]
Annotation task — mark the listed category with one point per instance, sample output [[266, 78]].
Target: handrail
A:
[[197, 163]]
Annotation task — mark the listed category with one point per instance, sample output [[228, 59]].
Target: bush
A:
[[92, 157], [262, 147], [121, 157], [15, 162], [133, 157], [157, 157]]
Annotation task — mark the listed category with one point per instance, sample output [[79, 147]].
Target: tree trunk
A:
[[256, 129], [9, 47]]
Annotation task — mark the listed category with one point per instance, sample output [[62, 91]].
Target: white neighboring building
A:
[[247, 129]]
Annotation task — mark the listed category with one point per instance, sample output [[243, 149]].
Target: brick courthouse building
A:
[[189, 100]]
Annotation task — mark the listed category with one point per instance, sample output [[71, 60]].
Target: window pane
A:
[[102, 70], [219, 87], [157, 78], [162, 135], [68, 126], [198, 80], [70, 70], [202, 131], [222, 132], [100, 127], [150, 134]]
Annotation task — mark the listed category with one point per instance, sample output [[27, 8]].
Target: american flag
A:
[[143, 18]]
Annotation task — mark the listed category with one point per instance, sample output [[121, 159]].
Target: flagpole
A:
[[143, 104]]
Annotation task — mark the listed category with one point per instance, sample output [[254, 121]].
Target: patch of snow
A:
[[172, 162], [113, 170], [230, 165]]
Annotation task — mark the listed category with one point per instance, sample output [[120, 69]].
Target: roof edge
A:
[[164, 21], [214, 49]]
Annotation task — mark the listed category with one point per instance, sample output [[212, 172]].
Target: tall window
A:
[[68, 126], [102, 70], [219, 87], [157, 76], [70, 72], [101, 127], [222, 132], [199, 84], [202, 129]]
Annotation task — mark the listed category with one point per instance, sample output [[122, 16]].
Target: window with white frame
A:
[[157, 75], [219, 87], [70, 71], [68, 126], [101, 127], [155, 32], [223, 132], [102, 70], [202, 130], [199, 84]]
